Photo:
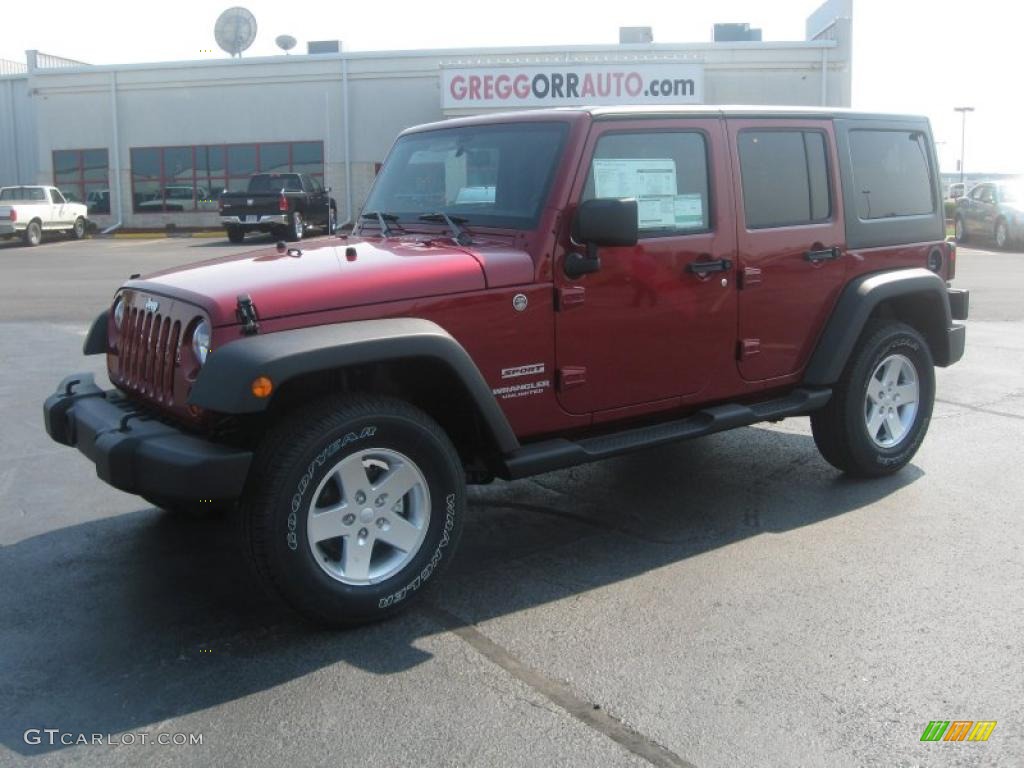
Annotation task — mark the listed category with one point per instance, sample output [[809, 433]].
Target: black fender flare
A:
[[856, 303], [96, 341], [224, 383]]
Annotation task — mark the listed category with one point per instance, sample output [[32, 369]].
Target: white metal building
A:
[[147, 145]]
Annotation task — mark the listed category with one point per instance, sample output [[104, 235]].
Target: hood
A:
[[337, 273]]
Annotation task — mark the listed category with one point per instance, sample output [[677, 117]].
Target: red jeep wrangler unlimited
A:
[[523, 293]]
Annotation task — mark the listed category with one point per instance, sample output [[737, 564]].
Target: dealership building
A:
[[149, 145]]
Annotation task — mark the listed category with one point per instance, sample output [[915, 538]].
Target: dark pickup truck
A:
[[283, 204]]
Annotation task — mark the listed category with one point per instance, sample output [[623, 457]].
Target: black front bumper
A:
[[135, 452]]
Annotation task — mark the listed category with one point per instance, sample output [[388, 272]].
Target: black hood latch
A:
[[246, 314]]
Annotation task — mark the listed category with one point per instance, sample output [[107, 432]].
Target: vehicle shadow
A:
[[124, 622]]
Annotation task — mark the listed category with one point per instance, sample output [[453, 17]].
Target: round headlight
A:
[[201, 341], [118, 312]]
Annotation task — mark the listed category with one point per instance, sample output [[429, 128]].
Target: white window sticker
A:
[[688, 211], [634, 178]]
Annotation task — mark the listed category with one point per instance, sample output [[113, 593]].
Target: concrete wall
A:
[[17, 132]]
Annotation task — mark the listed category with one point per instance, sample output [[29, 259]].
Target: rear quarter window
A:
[[892, 174]]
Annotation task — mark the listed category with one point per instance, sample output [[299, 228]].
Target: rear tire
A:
[[236, 234], [882, 404], [296, 227], [323, 476], [33, 234], [332, 220]]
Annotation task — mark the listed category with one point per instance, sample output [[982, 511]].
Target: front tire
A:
[[354, 503], [78, 230], [882, 404], [960, 230], [1002, 235]]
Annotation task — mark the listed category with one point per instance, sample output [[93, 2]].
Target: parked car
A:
[[637, 277], [28, 211], [174, 199], [991, 211], [284, 204]]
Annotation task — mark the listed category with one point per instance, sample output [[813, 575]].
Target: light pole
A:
[[963, 132]]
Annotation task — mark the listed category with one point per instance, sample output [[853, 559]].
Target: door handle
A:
[[705, 268], [826, 254]]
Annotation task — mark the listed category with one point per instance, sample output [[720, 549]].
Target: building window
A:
[[184, 179], [82, 176], [785, 178]]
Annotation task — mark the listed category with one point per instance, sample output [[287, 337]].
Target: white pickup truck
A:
[[28, 211]]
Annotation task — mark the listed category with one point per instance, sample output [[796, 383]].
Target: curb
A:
[[155, 235]]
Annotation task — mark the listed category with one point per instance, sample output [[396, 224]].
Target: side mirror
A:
[[607, 222]]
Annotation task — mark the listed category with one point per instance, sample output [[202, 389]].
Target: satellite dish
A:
[[285, 42], [235, 30]]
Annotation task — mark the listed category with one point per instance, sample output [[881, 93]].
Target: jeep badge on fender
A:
[[705, 268]]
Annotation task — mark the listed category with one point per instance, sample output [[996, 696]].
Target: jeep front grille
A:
[[149, 350]]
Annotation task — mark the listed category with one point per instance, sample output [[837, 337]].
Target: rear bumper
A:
[[255, 221], [7, 228], [136, 453]]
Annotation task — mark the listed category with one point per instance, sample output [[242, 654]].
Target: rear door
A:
[[790, 240], [648, 328]]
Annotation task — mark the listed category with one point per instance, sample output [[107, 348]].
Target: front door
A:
[[790, 240], [658, 318]]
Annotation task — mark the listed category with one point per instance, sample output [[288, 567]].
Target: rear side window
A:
[[667, 173], [785, 178], [892, 174]]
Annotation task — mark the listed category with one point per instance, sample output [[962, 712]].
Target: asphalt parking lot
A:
[[731, 601]]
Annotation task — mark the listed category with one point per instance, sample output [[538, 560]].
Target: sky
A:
[[910, 56]]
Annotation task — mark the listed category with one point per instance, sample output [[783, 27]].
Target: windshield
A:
[[492, 175], [1010, 193], [23, 193], [275, 183]]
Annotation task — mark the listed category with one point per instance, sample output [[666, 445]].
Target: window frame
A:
[[829, 176], [207, 176], [79, 183], [657, 234]]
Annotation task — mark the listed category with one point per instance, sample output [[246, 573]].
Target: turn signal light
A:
[[14, 214], [262, 387], [282, 203]]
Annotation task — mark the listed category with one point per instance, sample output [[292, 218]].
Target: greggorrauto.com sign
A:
[[573, 85]]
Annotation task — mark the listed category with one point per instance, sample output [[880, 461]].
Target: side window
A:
[[785, 178], [55, 197], [667, 173], [892, 174], [986, 195], [314, 185]]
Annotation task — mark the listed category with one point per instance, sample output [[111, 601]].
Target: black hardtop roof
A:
[[676, 110]]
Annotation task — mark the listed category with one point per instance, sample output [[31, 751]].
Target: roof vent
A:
[[323, 46], [736, 33], [635, 35]]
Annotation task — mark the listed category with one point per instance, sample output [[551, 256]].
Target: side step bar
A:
[[559, 453]]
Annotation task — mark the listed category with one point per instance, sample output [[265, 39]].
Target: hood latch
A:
[[246, 314]]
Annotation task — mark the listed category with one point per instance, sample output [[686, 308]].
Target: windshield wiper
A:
[[382, 220], [461, 236]]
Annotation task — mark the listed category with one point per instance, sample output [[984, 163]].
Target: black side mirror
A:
[[607, 222]]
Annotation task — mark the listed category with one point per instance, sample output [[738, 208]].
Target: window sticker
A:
[[634, 178], [688, 211]]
